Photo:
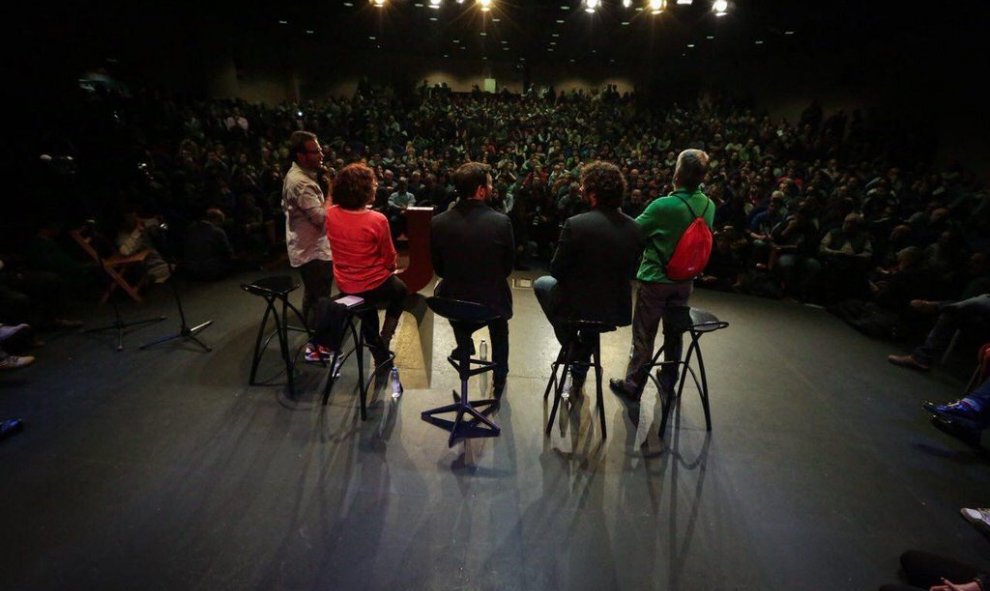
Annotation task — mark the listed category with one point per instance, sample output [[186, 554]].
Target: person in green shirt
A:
[[662, 224]]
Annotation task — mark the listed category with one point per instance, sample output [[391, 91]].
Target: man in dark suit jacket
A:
[[472, 248], [596, 259]]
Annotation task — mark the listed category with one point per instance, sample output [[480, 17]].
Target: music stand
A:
[[118, 324], [161, 243]]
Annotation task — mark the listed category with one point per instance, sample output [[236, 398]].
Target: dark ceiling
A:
[[517, 30]]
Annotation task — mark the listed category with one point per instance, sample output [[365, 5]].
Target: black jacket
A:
[[596, 259], [472, 248]]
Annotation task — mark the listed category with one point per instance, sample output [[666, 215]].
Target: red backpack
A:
[[693, 248]]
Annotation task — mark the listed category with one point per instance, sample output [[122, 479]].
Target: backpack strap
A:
[[688, 205]]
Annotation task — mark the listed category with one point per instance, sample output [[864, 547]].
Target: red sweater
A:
[[363, 254]]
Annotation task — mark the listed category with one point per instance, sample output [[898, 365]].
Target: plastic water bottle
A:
[[483, 350], [396, 384]]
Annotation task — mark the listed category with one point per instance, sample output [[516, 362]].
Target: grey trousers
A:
[[652, 301]]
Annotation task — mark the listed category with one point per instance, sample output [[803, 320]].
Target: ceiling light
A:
[[759, 42], [591, 5], [690, 45], [625, 23], [627, 3], [283, 22], [348, 4], [378, 3], [685, 2], [788, 32], [720, 5], [657, 5], [555, 35], [565, 7], [486, 5], [560, 22], [309, 31], [710, 37], [434, 4]]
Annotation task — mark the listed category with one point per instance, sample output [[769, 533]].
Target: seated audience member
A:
[[36, 297], [952, 316], [930, 572], [135, 236], [8, 361], [595, 261], [845, 254], [364, 256], [398, 202], [207, 254]]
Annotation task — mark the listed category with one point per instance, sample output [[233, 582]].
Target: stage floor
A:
[[164, 469]]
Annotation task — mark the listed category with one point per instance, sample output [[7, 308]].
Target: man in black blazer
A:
[[472, 248], [596, 259]]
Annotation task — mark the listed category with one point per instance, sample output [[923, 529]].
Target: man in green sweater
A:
[[662, 223]]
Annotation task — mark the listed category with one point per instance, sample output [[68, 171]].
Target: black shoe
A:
[[967, 435], [383, 360], [619, 388]]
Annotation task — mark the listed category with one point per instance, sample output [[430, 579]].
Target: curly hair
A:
[[354, 186], [604, 180]]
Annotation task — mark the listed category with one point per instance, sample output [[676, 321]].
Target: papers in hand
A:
[[350, 301]]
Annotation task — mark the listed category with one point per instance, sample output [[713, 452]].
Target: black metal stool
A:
[[354, 312], [275, 289], [684, 319], [589, 332], [465, 316]]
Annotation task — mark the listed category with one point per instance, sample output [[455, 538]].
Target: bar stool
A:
[[275, 289], [468, 316], [356, 309], [680, 320], [580, 332]]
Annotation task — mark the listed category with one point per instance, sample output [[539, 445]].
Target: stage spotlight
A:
[[434, 3], [656, 6], [720, 6], [590, 6], [685, 2], [486, 5], [378, 3], [626, 3]]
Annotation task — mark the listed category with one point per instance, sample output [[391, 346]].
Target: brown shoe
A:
[[907, 361], [924, 306], [15, 362]]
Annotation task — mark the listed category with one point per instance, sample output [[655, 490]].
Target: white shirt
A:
[[305, 217]]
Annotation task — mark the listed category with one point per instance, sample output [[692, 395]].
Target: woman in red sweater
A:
[[363, 253]]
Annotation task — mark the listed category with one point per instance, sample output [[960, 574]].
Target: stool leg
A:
[[568, 353], [598, 385], [704, 387], [687, 362], [257, 343], [284, 346], [330, 378], [359, 351], [552, 382]]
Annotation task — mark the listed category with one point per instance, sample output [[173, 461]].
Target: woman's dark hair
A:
[[353, 187], [604, 180]]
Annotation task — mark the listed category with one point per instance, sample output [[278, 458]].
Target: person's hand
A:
[[950, 586]]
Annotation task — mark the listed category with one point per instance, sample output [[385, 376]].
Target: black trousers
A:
[[923, 570], [391, 292], [498, 330], [317, 278]]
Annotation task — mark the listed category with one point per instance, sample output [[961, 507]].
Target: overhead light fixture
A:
[[560, 22], [788, 32], [626, 3], [283, 22], [657, 6], [685, 2], [591, 5], [310, 31], [720, 6], [625, 23], [378, 3], [486, 5], [758, 42], [434, 4]]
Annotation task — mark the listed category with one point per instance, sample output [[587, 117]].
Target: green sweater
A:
[[662, 223]]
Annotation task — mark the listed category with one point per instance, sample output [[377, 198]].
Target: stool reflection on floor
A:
[[465, 316]]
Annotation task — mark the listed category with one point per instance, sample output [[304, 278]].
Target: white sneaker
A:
[[979, 517], [7, 332]]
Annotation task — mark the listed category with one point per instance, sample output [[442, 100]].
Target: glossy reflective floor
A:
[[164, 469]]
